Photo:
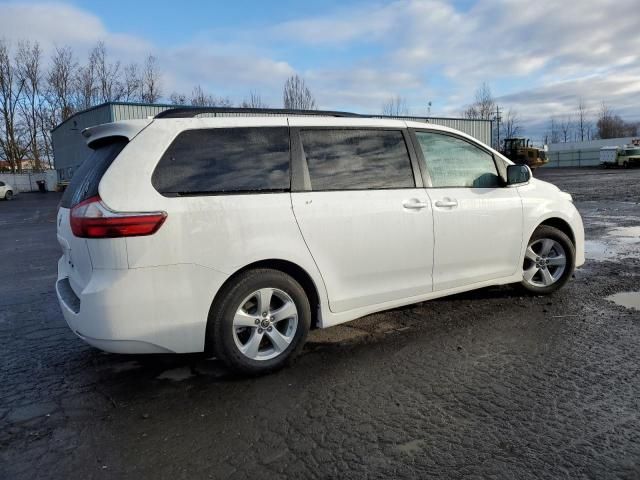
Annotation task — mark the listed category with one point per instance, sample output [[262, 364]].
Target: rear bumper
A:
[[144, 310]]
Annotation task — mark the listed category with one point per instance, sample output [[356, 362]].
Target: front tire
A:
[[549, 261], [259, 321], [8, 195]]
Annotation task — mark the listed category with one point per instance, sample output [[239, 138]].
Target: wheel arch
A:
[[561, 225], [288, 267]]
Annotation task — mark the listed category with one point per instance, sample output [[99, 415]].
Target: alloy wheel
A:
[[544, 262], [265, 324]]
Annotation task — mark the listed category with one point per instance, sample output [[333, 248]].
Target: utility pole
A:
[[498, 119]]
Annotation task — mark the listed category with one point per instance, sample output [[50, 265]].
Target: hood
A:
[[549, 188]]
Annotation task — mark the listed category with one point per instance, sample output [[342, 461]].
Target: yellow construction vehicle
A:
[[520, 151]]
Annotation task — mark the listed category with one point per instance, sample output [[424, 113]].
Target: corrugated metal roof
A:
[[111, 105]]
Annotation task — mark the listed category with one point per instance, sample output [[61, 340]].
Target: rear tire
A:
[[8, 195], [549, 261], [259, 321]]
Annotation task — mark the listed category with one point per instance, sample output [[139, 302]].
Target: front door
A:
[[477, 220]]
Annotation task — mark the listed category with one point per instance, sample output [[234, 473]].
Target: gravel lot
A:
[[484, 384]]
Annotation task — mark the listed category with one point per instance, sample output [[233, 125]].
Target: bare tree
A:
[[199, 98], [47, 120], [296, 95], [583, 124], [34, 100], [254, 100], [566, 125], [553, 135], [60, 84], [151, 91], [109, 85], [606, 125], [132, 83], [86, 83], [396, 106], [58, 105], [12, 142], [178, 98], [28, 61], [511, 125], [484, 106], [223, 102], [610, 125]]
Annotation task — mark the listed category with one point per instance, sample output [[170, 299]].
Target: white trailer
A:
[[626, 156], [608, 156]]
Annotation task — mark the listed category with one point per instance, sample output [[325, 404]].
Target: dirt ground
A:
[[484, 384]]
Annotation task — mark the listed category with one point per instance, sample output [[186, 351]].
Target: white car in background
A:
[[6, 191], [237, 234]]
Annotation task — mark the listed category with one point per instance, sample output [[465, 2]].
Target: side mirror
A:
[[517, 174]]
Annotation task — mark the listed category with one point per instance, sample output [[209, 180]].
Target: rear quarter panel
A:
[[223, 233]]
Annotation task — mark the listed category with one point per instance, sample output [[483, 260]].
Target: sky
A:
[[539, 57]]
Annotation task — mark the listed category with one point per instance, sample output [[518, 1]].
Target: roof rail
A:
[[190, 112]]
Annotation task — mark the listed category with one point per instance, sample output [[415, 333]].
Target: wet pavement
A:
[[490, 383]]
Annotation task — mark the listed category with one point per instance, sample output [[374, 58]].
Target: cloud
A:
[[363, 86], [541, 57], [224, 69], [537, 105], [347, 24], [56, 24]]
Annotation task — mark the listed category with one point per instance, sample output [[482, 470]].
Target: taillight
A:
[[92, 219]]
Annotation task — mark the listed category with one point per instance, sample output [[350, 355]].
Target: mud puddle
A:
[[617, 243], [626, 299]]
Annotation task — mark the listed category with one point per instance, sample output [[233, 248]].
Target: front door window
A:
[[453, 162]]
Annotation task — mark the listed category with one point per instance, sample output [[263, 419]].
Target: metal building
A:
[[69, 147]]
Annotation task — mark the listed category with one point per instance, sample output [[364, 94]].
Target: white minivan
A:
[[237, 234]]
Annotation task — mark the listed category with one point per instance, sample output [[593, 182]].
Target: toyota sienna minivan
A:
[[236, 235]]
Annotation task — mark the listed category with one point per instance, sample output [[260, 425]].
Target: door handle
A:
[[447, 203], [414, 204]]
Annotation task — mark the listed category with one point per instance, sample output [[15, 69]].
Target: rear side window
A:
[[86, 178], [453, 162], [225, 160], [357, 159]]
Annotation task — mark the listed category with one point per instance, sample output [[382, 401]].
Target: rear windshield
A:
[[86, 179]]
